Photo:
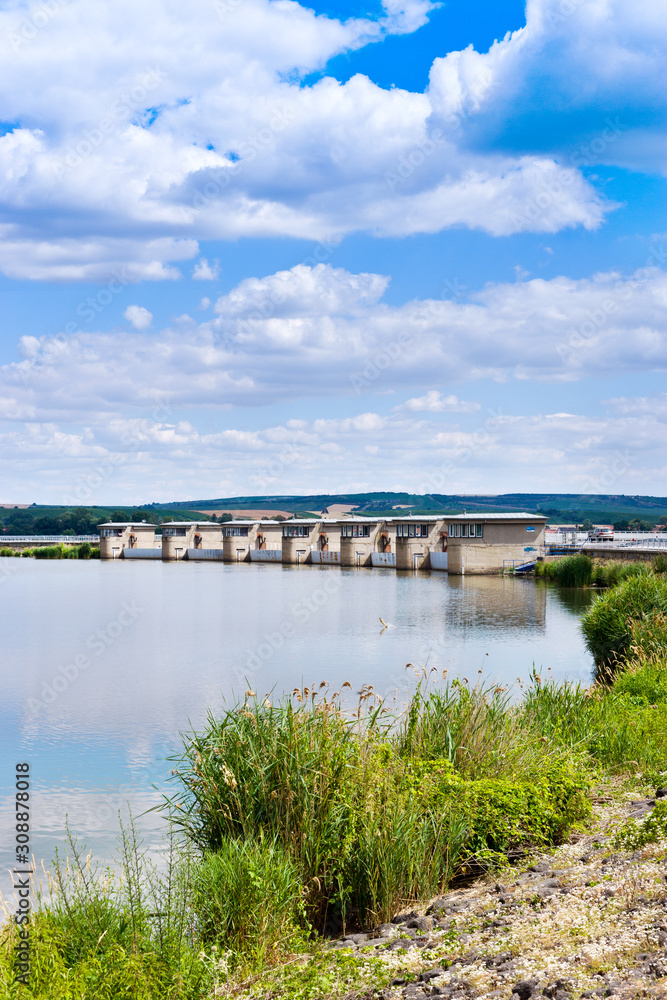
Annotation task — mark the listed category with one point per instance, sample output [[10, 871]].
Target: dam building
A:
[[458, 544]]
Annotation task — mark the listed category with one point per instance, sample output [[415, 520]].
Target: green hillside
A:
[[558, 507]]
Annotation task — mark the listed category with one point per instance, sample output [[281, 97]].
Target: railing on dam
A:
[[48, 539]]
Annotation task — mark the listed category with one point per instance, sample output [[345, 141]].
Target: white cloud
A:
[[204, 271], [142, 459], [139, 317], [134, 157], [581, 78], [435, 402], [313, 332], [653, 406], [104, 259]]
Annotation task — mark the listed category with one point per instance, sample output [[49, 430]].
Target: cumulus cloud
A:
[[311, 332], [204, 271], [135, 157], [146, 458], [595, 65], [139, 317], [435, 402]]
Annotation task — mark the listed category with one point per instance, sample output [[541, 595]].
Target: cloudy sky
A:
[[254, 246]]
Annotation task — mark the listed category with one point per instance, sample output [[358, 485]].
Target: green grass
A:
[[248, 898], [61, 551], [105, 935], [583, 571], [617, 730]]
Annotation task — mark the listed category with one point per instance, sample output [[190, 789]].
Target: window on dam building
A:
[[296, 531], [466, 531], [355, 531], [174, 532], [412, 530], [236, 531]]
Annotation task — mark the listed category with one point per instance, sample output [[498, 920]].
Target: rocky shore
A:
[[587, 920]]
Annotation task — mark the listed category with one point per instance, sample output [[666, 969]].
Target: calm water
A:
[[103, 664]]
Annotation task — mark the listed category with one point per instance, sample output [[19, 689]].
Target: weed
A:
[[633, 835]]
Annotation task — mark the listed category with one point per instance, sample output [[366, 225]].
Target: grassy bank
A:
[[583, 571], [62, 551], [300, 818]]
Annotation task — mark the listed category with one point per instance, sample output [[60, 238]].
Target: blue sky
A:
[[258, 247]]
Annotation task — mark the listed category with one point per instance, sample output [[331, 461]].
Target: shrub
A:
[[375, 811], [84, 551], [660, 564], [643, 685], [631, 616], [633, 835], [583, 571], [508, 816]]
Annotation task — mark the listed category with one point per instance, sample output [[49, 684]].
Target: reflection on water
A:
[[495, 603], [104, 664], [574, 599]]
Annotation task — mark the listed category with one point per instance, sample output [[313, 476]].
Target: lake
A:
[[104, 664]]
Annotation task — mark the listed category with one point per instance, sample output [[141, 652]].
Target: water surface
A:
[[104, 664]]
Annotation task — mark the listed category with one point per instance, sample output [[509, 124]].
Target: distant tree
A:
[[587, 525], [19, 522], [622, 525], [46, 525], [119, 515], [226, 516], [141, 514]]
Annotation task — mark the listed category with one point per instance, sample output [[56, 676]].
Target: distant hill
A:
[[560, 508], [556, 506]]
